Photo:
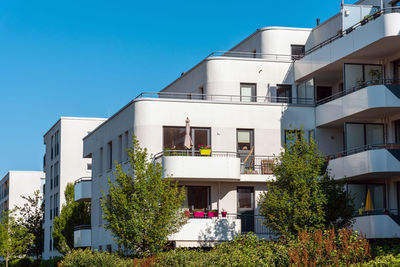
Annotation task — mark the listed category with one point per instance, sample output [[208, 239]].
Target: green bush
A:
[[383, 247], [23, 262], [87, 258], [50, 262], [244, 250], [383, 261]]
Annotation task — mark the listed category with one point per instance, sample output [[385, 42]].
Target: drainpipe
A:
[[381, 4]]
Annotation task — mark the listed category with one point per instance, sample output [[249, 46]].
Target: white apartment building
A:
[[63, 163], [339, 82], [11, 189]]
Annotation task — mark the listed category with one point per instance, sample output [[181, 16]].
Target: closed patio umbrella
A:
[[188, 141], [368, 202]]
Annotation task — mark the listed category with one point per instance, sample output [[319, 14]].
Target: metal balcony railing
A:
[[228, 98], [362, 149], [82, 227], [358, 87], [243, 54], [83, 179], [341, 33]]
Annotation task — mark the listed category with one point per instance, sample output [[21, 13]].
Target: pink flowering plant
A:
[[204, 147]]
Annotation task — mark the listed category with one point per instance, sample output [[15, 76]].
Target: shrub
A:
[[50, 262], [382, 247], [382, 261], [244, 250], [86, 258], [325, 248]]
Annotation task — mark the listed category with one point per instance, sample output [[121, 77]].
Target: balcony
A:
[[82, 236], [366, 162], [206, 232], [223, 98], [355, 41], [368, 101], [83, 189], [218, 165], [370, 224]]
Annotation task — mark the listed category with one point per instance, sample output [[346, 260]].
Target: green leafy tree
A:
[[14, 238], [142, 208], [32, 213], [72, 214], [303, 196]]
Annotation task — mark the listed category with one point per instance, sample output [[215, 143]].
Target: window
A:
[[245, 148], [291, 136], [51, 177], [51, 207], [174, 138], [120, 149], [126, 145], [89, 166], [100, 213], [56, 174], [359, 193], [109, 248], [359, 135], [57, 143], [109, 155], [51, 241], [245, 198], [284, 93], [395, 4], [100, 248], [355, 75], [198, 197], [297, 51], [305, 92], [254, 52], [52, 149], [101, 160], [247, 92]]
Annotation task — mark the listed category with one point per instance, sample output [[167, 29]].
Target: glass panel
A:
[[372, 72], [377, 195], [243, 137], [247, 92], [174, 138], [245, 198], [198, 197], [353, 75], [309, 91], [358, 193], [374, 134], [284, 93], [354, 135], [201, 137]]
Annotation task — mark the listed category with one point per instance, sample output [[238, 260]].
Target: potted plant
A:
[[375, 75], [186, 212], [198, 213], [212, 213], [205, 150], [224, 213]]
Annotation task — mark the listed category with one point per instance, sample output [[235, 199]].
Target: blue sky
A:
[[89, 58]]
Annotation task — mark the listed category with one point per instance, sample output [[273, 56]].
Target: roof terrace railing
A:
[[228, 98], [243, 54], [363, 148], [359, 86], [341, 33]]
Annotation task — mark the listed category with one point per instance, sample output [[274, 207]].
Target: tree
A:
[[303, 196], [142, 207], [72, 214], [32, 213], [14, 238]]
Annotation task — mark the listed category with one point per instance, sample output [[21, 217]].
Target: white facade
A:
[[63, 163], [11, 188], [339, 82]]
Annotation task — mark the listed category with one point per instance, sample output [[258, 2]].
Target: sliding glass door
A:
[[359, 135]]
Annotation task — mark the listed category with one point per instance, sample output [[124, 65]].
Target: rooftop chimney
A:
[[318, 22]]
